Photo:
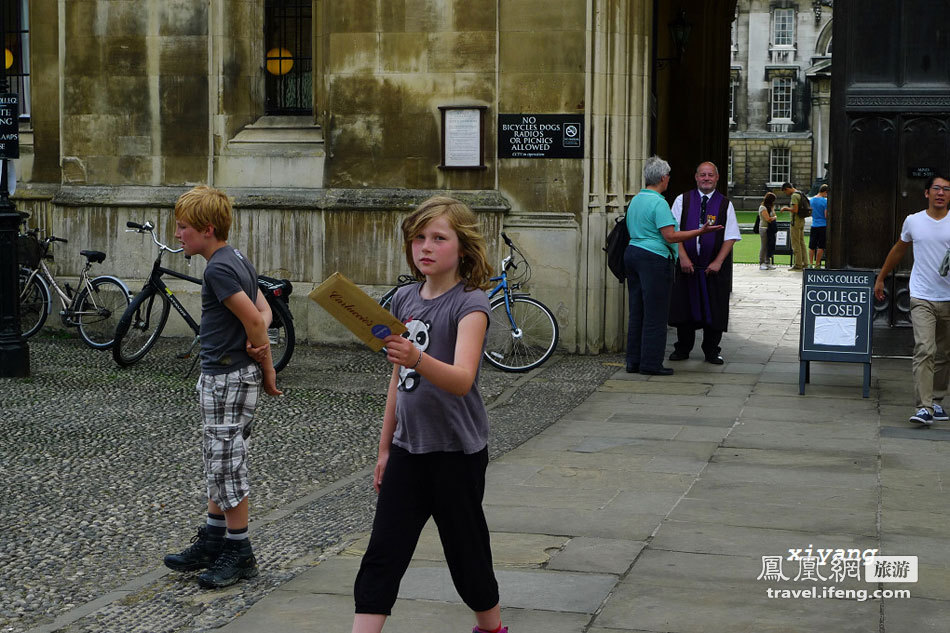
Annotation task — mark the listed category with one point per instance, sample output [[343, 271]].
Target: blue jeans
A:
[[649, 284]]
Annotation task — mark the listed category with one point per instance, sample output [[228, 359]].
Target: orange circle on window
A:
[[8, 58], [279, 61]]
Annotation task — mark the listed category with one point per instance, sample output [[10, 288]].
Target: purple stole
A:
[[696, 283]]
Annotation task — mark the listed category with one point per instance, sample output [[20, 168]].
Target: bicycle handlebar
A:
[[148, 227]]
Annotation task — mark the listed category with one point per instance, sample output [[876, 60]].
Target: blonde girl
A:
[[433, 448]]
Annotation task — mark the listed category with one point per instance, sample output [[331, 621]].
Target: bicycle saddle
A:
[[95, 257]]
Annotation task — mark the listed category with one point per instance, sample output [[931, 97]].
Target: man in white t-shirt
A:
[[929, 231]]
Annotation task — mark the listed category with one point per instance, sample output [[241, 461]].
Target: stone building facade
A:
[[328, 121], [780, 96]]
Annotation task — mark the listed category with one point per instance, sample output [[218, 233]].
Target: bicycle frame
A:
[[155, 281], [502, 286], [43, 271]]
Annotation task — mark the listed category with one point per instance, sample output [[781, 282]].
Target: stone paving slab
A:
[[916, 615], [777, 516], [730, 540], [543, 590], [818, 497], [677, 420], [641, 605], [608, 523], [612, 556]]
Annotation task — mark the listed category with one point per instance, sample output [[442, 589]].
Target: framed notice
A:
[[462, 137]]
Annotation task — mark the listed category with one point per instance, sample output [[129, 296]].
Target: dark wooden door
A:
[[890, 127]]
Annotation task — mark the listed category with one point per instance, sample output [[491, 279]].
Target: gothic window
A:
[[781, 98], [780, 165], [16, 54], [288, 63]]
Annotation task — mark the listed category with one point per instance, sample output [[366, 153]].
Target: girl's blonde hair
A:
[[474, 268], [205, 206]]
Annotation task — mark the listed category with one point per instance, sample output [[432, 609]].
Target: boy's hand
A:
[[257, 354], [269, 381]]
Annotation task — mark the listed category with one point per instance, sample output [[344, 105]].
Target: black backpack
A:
[[804, 205], [617, 241]]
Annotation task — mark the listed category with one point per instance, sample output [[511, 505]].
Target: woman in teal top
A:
[[649, 261]]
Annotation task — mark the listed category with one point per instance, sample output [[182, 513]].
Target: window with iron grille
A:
[[16, 55], [783, 27], [780, 164], [782, 98], [288, 56]]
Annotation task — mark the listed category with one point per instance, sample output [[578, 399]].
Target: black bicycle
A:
[[145, 318]]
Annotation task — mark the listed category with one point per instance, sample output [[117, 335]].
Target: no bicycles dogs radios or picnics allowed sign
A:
[[837, 311], [9, 121], [540, 136]]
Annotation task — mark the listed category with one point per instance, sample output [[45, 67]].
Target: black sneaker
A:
[[235, 562], [200, 555]]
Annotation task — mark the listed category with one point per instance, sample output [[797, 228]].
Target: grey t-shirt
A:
[[429, 419], [222, 333]]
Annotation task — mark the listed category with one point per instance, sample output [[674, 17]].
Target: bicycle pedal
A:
[[183, 355]]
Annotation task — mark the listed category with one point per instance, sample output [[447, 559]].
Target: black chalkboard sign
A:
[[540, 136], [9, 125], [783, 238], [837, 311]]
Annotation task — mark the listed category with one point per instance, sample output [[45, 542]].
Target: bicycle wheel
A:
[[530, 344], [99, 311], [140, 326], [281, 333], [34, 303]]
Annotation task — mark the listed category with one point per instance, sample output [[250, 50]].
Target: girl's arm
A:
[[456, 378], [388, 430]]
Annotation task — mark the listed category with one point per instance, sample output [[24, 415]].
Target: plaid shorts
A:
[[227, 403]]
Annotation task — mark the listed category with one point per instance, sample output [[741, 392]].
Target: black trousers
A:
[[686, 338], [449, 487]]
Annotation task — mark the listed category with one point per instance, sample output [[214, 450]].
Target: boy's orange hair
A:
[[205, 206]]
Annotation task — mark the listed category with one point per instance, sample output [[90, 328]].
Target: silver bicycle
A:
[[94, 306]]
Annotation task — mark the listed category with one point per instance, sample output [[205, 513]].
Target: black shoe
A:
[[200, 555], [662, 371], [235, 562], [633, 369], [679, 355], [715, 360]]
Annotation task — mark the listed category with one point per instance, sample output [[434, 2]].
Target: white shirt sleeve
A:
[[732, 225], [677, 210]]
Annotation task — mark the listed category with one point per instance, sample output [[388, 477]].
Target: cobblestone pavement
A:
[[102, 476]]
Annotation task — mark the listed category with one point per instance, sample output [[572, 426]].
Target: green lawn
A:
[[746, 251]]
